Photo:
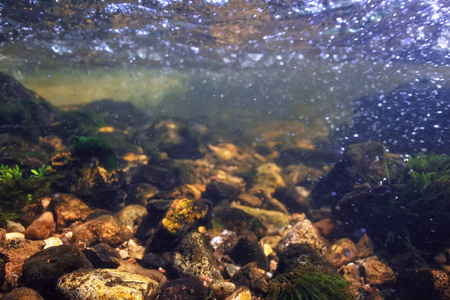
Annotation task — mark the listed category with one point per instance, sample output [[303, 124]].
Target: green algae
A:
[[308, 283]]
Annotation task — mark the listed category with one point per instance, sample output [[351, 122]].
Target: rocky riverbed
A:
[[103, 202]]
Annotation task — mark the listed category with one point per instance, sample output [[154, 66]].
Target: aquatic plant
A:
[[422, 200], [78, 123], [308, 283], [425, 170], [94, 147], [16, 191], [39, 173]]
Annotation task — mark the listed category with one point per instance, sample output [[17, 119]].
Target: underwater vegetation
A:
[[308, 283], [94, 147], [16, 191], [409, 212], [422, 200], [78, 122]]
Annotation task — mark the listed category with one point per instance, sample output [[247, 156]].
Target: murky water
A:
[[282, 59]]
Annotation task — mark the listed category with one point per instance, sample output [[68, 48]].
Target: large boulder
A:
[[21, 109]]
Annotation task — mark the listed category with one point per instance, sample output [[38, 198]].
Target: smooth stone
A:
[[12, 226], [106, 284], [342, 252], [274, 221], [223, 289], [14, 236], [217, 191], [131, 215], [241, 294], [247, 250], [52, 242], [22, 293], [42, 227], [42, 270]]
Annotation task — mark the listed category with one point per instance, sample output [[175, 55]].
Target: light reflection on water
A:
[[285, 58]]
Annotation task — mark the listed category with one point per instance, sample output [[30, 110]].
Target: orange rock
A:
[[42, 227], [325, 226]]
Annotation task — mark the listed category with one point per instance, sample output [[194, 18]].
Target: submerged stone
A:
[[362, 163], [251, 276], [22, 293], [68, 209], [22, 108], [165, 174], [172, 137], [194, 257], [104, 229], [14, 252], [274, 221], [342, 252], [304, 232], [106, 284], [182, 216], [184, 288], [42, 270], [377, 272]]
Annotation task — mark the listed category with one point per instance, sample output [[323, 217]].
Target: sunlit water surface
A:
[[296, 60]]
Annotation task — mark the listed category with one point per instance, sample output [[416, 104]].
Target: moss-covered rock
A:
[[22, 108]]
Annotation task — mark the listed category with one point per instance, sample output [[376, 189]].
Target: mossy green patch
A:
[[93, 147], [308, 283]]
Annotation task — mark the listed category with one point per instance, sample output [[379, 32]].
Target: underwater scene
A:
[[225, 149]]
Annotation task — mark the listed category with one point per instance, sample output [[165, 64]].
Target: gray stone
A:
[[194, 257]]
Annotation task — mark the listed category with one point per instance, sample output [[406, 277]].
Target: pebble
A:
[[52, 241], [15, 236]]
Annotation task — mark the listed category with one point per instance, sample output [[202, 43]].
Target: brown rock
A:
[[15, 252], [104, 229], [42, 227], [350, 273], [188, 191], [441, 284], [304, 232], [365, 246], [68, 208], [325, 226], [377, 272], [252, 277], [133, 267], [22, 293], [342, 252], [249, 200]]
